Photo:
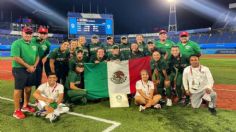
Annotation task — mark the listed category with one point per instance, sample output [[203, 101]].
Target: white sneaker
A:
[[141, 108], [169, 102], [52, 117], [157, 106]]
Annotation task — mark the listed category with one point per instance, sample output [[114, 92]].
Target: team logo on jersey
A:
[[44, 47], [187, 47], [118, 77], [34, 48]]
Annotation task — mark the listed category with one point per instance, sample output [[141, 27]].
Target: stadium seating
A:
[[201, 38], [9, 39]]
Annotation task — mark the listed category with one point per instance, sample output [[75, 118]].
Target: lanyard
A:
[[54, 88], [191, 72], [144, 86]]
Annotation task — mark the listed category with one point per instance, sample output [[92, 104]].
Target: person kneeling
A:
[[145, 93], [74, 86], [50, 97], [198, 83]]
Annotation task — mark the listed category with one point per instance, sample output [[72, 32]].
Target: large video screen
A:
[[90, 25]]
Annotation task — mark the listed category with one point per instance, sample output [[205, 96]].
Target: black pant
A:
[[61, 70], [38, 72]]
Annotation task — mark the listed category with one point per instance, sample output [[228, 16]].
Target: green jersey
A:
[[112, 57], [95, 58], [86, 53], [190, 48], [60, 57], [165, 47], [142, 46], [43, 47], [147, 52], [125, 50], [73, 77], [28, 51], [108, 49], [93, 48], [177, 63], [137, 54], [159, 65], [73, 62]]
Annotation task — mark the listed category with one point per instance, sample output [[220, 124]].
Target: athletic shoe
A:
[[212, 110], [169, 102], [28, 109], [157, 106], [18, 114], [141, 108], [52, 117], [40, 113], [84, 100]]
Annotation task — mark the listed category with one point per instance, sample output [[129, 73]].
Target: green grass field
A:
[[176, 118]]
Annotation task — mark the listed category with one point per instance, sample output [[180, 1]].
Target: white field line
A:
[[109, 129]]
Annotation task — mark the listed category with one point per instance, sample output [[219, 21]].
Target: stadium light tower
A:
[[172, 16]]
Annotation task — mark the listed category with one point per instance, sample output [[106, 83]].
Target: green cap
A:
[[150, 41], [115, 47], [123, 37], [79, 65], [95, 37], [109, 37]]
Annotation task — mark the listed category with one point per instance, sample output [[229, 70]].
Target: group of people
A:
[[174, 67]]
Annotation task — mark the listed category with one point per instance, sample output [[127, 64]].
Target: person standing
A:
[[188, 47], [164, 44], [44, 48], [58, 60], [125, 47], [25, 59], [82, 46], [135, 52], [177, 63], [140, 42], [94, 46], [160, 77]]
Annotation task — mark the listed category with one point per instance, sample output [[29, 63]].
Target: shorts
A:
[[23, 78]]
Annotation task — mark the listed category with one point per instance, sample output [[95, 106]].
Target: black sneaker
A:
[[212, 110]]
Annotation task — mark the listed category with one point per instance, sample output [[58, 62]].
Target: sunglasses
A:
[[28, 33], [44, 33]]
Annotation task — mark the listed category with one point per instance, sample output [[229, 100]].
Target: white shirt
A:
[[145, 87], [51, 92], [197, 79]]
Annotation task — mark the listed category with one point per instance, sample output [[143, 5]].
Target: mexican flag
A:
[[113, 77]]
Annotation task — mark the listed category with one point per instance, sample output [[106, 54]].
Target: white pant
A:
[[196, 99], [59, 110]]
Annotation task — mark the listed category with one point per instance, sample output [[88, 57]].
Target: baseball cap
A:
[[79, 65], [80, 51], [42, 29], [150, 41], [27, 29], [115, 47], [162, 31], [123, 37], [109, 37], [95, 37], [184, 34]]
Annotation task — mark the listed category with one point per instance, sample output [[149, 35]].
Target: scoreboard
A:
[[89, 24]]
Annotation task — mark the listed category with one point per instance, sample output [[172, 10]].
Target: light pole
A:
[[172, 17]]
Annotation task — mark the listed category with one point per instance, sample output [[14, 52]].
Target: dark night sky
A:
[[130, 16]]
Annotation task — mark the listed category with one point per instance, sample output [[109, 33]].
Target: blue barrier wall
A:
[[228, 48]]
